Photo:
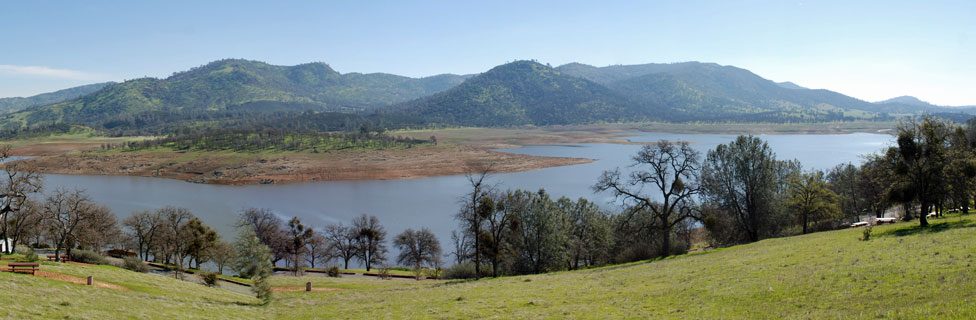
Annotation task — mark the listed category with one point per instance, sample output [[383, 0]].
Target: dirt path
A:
[[78, 280], [302, 289]]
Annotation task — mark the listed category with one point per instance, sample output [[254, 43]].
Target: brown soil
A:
[[45, 149], [241, 169], [78, 280], [302, 289]]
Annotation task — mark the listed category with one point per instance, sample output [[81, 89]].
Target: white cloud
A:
[[50, 73]]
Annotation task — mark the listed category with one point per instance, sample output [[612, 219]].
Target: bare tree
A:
[[462, 247], [143, 228], [176, 238], [269, 228], [318, 249], [64, 212], [370, 236], [418, 248], [673, 172], [343, 239], [99, 229], [19, 182], [221, 254], [24, 224], [471, 218]]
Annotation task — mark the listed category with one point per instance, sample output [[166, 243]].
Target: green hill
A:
[[228, 84], [13, 104], [708, 91], [903, 271], [523, 93]]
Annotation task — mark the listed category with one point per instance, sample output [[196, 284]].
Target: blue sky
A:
[[870, 50]]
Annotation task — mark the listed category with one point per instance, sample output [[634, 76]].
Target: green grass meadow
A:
[[901, 272]]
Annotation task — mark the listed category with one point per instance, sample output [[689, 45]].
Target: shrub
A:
[[334, 272], [29, 254], [460, 271], [135, 264], [384, 273], [85, 256], [209, 279], [866, 234]]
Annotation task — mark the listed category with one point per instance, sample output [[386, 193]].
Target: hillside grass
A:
[[903, 271]]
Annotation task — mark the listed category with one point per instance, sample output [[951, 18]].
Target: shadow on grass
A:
[[455, 282], [931, 228]]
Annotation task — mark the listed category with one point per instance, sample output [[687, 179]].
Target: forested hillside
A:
[[707, 91], [232, 85], [524, 93], [19, 103], [230, 93]]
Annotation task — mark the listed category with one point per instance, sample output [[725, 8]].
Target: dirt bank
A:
[[278, 168]]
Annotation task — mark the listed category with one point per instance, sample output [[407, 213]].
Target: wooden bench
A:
[[22, 267], [51, 257]]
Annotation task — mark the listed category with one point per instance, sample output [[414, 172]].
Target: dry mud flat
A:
[[260, 168]]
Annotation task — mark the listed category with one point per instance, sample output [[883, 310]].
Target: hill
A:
[[901, 272], [523, 93], [708, 91], [229, 85], [907, 100], [13, 104], [790, 85]]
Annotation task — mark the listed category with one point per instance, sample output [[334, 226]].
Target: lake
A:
[[431, 202]]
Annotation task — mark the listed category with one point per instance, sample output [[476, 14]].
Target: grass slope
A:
[[902, 272]]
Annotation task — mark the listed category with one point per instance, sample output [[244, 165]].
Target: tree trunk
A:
[[805, 223], [494, 266], [6, 245], [665, 238], [477, 248]]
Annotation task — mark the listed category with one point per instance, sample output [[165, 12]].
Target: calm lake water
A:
[[431, 202]]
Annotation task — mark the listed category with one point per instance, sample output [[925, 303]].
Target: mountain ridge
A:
[[13, 104], [518, 93]]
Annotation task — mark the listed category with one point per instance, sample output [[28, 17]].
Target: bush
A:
[[384, 273], [135, 264], [85, 256], [209, 279], [29, 254], [866, 234], [333, 272], [460, 271]]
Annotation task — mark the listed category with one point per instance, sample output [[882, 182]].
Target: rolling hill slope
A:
[[19, 103], [902, 272], [523, 93], [227, 84], [708, 91]]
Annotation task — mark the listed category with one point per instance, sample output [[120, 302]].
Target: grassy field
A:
[[902, 272]]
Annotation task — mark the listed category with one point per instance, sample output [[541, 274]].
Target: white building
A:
[[3, 245]]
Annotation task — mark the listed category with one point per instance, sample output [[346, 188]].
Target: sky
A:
[[871, 50]]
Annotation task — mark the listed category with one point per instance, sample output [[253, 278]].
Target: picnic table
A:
[[51, 257], [22, 267]]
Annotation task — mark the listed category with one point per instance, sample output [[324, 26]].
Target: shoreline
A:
[[292, 168], [461, 148]]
